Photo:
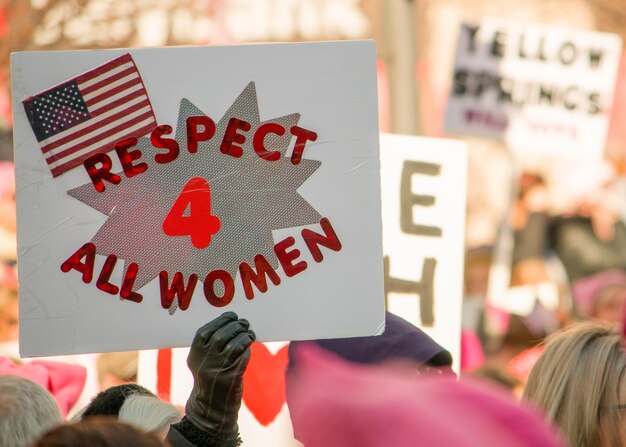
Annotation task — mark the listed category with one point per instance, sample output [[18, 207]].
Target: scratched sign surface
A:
[[159, 188]]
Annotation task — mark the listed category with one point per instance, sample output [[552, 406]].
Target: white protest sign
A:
[[424, 184], [158, 188], [544, 90]]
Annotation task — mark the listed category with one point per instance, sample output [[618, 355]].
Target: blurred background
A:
[[557, 229]]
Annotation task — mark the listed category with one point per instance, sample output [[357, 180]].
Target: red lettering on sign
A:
[[302, 136], [194, 135], [249, 276], [127, 291], [259, 140], [127, 157], [209, 288], [329, 240], [102, 282], [98, 174], [232, 136], [157, 140], [199, 223], [199, 128], [178, 289], [286, 258], [87, 251]]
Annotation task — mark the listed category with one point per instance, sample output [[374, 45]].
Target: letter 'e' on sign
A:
[[158, 188]]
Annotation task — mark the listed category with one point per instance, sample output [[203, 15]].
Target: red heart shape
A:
[[264, 382]]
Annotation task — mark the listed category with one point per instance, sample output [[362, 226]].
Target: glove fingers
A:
[[204, 334], [226, 333], [239, 345]]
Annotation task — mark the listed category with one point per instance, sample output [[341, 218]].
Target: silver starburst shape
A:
[[250, 196]]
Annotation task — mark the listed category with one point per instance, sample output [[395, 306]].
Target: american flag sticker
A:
[[90, 113]]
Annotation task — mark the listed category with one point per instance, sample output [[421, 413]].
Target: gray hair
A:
[[578, 382], [27, 411], [148, 413]]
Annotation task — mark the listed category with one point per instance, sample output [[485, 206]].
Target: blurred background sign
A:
[[424, 183], [543, 90]]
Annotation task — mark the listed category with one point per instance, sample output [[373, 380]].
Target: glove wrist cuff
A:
[[207, 437]]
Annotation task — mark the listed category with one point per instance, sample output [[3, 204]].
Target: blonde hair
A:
[[577, 382]]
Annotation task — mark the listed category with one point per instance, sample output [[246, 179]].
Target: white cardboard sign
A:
[[543, 90], [424, 184], [158, 188]]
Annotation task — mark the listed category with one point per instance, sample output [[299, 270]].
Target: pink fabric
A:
[[499, 318], [521, 365], [7, 176], [624, 331], [585, 290], [472, 354], [8, 277], [65, 381], [334, 403]]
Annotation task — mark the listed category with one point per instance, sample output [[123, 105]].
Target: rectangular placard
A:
[[158, 188]]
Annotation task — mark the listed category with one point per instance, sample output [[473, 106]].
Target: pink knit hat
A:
[[65, 381], [334, 403], [585, 291]]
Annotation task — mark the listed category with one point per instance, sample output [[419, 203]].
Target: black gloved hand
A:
[[217, 359]]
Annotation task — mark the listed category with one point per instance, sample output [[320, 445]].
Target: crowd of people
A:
[[551, 374], [560, 344]]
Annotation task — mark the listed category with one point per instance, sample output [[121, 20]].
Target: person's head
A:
[[98, 432], [149, 413], [26, 411], [110, 401], [602, 296], [579, 382], [610, 303]]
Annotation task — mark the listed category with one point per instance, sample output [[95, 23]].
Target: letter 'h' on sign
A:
[[423, 288]]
